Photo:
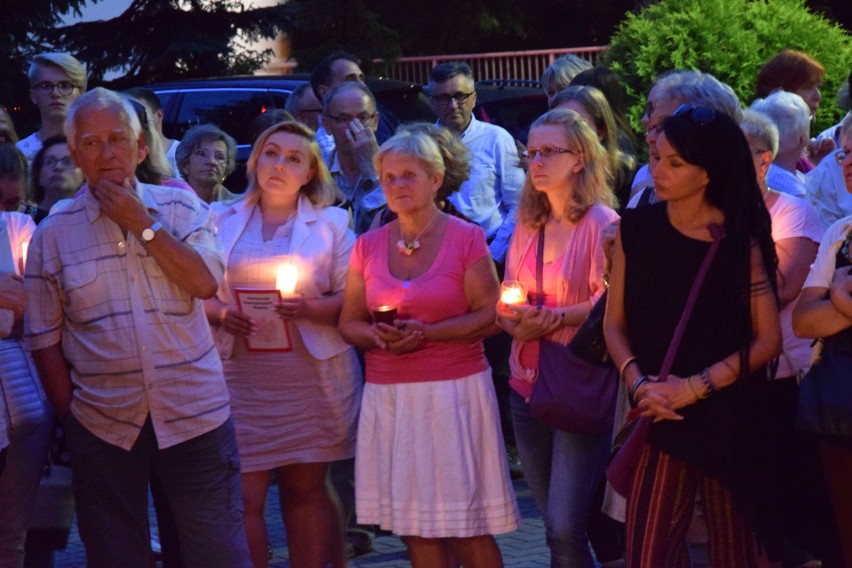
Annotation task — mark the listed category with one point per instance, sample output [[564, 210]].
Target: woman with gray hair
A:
[[796, 232], [789, 112], [420, 297], [206, 156]]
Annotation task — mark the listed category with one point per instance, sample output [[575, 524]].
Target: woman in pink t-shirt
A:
[[566, 195], [430, 462]]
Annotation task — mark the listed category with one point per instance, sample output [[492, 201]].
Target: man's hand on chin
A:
[[120, 203]]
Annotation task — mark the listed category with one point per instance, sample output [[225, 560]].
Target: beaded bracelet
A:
[[705, 378], [692, 388], [631, 396]]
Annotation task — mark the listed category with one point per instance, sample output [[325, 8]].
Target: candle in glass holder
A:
[[383, 313], [513, 292], [288, 277]]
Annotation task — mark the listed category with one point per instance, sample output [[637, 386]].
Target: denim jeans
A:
[[200, 478], [563, 470], [26, 457]]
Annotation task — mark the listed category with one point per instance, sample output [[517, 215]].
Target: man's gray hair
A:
[[760, 127], [443, 72], [354, 85], [701, 89], [295, 99], [101, 99], [791, 115]]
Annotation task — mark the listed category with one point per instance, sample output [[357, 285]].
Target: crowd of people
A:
[[339, 328]]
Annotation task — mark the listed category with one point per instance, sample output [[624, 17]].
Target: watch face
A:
[[147, 234]]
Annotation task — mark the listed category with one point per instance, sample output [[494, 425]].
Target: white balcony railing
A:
[[528, 65]]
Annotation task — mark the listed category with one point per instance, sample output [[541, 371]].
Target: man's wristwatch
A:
[[149, 232]]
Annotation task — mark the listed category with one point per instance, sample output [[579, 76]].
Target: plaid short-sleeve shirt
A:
[[136, 343]]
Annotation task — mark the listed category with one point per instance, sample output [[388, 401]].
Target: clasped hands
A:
[[659, 399], [404, 336], [525, 322]]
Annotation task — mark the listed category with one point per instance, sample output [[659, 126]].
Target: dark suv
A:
[[232, 102]]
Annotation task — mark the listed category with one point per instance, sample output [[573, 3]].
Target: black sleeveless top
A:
[[723, 435]]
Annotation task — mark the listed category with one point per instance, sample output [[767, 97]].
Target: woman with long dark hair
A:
[[707, 432]]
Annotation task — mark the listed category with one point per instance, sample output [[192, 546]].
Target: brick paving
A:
[[524, 548]]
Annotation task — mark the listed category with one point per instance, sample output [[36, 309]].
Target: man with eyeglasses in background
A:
[[490, 196], [351, 116], [56, 80]]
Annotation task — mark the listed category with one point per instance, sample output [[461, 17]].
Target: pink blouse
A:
[[435, 295]]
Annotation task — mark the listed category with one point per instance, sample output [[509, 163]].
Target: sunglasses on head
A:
[[699, 115]]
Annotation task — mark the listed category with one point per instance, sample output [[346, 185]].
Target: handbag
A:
[[571, 393], [589, 343], [632, 437], [825, 393], [20, 386]]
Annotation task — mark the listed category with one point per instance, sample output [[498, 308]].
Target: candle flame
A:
[[288, 277]]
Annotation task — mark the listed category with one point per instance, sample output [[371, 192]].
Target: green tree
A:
[[157, 40], [730, 39], [22, 29]]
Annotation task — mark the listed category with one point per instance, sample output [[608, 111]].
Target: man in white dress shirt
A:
[[490, 196]]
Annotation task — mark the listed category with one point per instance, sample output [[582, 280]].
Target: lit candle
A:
[[25, 247], [288, 277], [512, 292]]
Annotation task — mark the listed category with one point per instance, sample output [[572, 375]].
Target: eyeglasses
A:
[[363, 118], [65, 162], [545, 152], [444, 100], [699, 115], [64, 88], [218, 157], [839, 157], [309, 111]]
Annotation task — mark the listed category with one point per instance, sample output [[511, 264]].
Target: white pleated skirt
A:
[[430, 460]]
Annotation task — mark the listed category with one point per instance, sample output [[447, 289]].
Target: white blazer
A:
[[322, 243]]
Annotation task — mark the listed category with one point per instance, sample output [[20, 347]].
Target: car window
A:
[[232, 110]]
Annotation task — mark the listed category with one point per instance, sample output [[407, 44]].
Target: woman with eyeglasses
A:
[[205, 157], [55, 176], [824, 311], [709, 428], [566, 199]]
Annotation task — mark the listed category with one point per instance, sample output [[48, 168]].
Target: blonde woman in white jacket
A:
[[294, 411]]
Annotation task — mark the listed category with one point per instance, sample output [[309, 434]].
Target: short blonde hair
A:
[[64, 61], [417, 144], [455, 154], [320, 190], [591, 184]]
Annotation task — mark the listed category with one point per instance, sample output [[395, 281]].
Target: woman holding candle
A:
[[709, 430], [294, 411], [430, 461], [28, 437], [567, 198]]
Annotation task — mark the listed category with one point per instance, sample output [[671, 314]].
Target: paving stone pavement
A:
[[524, 548]]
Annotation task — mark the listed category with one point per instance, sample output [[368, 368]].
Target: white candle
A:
[[25, 247], [288, 277]]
